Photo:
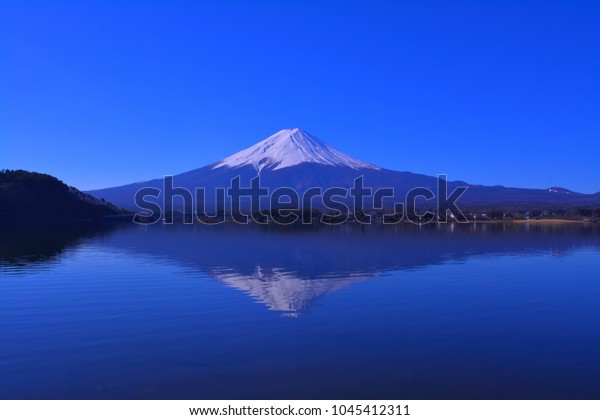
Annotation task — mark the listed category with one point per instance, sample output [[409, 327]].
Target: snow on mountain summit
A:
[[290, 147]]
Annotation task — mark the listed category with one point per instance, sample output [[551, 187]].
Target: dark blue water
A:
[[193, 312]]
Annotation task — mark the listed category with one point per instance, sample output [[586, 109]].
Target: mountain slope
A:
[[295, 159], [288, 148], [26, 194]]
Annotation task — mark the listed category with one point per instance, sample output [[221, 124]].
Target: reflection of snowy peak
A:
[[282, 290], [289, 148]]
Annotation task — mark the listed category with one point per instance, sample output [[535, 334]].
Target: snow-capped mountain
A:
[[291, 147], [293, 158]]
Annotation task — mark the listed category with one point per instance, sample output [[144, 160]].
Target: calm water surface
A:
[[193, 312]]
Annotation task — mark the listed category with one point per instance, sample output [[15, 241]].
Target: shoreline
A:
[[544, 221]]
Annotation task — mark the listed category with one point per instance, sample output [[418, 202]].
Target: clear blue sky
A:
[[102, 93]]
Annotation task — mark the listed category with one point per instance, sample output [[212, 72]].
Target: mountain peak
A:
[[290, 147]]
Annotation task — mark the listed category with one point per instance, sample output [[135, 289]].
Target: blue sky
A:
[[110, 92]]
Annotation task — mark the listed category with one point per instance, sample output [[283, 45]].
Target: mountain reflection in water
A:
[[122, 311], [287, 269]]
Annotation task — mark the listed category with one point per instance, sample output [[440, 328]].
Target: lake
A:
[[479, 311]]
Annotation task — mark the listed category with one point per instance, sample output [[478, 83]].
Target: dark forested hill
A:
[[25, 194]]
